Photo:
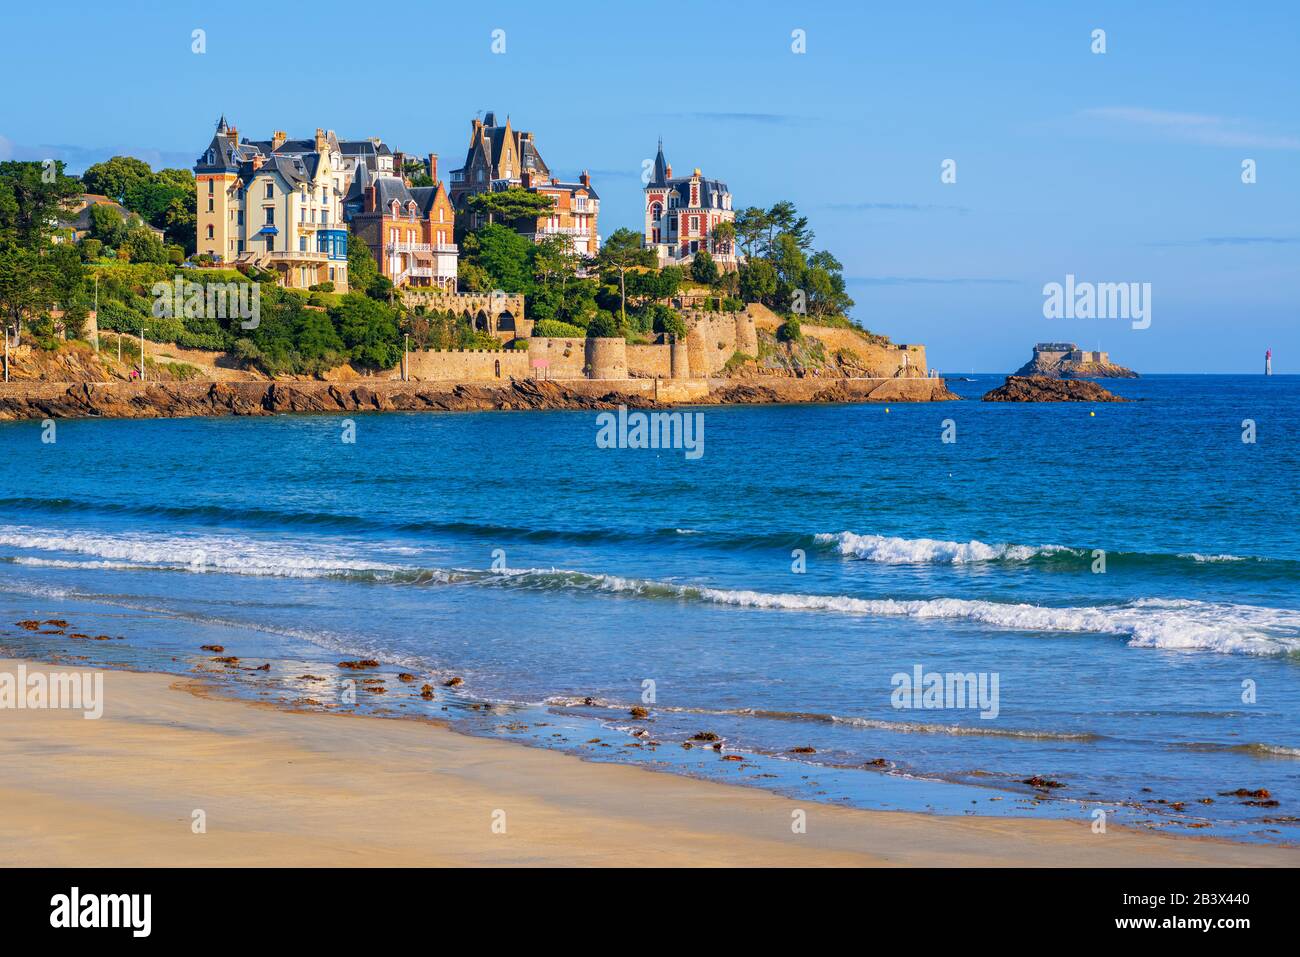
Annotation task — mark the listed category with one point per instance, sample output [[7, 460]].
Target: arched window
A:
[[656, 211]]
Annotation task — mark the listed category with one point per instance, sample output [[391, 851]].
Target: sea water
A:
[[1125, 577]]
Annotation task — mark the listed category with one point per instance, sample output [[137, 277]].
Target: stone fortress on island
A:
[[1065, 360]]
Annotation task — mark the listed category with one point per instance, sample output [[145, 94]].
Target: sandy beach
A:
[[292, 788]]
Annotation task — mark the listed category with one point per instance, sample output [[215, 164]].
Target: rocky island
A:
[[1065, 360], [1041, 388]]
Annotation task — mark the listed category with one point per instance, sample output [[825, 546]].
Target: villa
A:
[[500, 157], [409, 229], [275, 204], [681, 215]]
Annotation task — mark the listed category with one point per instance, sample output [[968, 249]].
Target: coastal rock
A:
[[639, 712], [455, 682], [41, 399], [1042, 783], [1044, 389], [1260, 794]]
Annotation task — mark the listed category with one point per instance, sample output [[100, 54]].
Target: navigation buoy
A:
[[1268, 362]]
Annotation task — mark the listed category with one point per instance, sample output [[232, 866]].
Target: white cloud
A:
[[1202, 128]]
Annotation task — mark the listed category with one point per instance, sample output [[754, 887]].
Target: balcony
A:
[[408, 248], [304, 255], [563, 231]]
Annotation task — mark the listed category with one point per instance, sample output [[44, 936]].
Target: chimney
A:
[[278, 138], [433, 168], [233, 134], [370, 199], [526, 179], [399, 166], [585, 179], [322, 144], [555, 181], [258, 161], [668, 171]]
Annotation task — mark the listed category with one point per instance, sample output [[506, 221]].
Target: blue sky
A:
[[1118, 167]]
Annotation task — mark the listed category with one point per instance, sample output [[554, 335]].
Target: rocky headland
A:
[[133, 400]]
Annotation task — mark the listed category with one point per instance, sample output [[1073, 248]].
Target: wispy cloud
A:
[[898, 208], [1206, 129], [1231, 241], [931, 281], [78, 158]]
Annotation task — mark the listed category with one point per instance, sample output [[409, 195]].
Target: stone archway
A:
[[506, 322], [483, 321]]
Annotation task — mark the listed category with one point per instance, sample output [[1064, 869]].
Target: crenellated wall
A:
[[467, 365]]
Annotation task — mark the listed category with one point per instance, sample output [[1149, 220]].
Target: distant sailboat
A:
[[1268, 362]]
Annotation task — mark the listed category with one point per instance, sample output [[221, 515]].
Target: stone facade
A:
[[468, 365]]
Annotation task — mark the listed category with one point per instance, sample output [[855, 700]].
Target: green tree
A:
[[503, 254], [622, 251], [510, 205], [757, 281], [669, 321], [724, 236], [362, 268], [32, 197], [751, 228], [27, 282], [117, 177], [107, 225], [144, 246], [604, 326], [703, 268], [369, 330]]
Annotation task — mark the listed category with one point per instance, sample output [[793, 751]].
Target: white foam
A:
[[1172, 624], [236, 555], [899, 551]]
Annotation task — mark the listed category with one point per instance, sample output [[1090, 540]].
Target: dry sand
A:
[[289, 788]]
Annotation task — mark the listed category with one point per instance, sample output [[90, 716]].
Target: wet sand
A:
[[315, 789]]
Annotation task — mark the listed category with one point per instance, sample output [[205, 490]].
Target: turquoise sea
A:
[[767, 593]]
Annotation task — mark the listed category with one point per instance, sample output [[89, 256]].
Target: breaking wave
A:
[[1166, 623]]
